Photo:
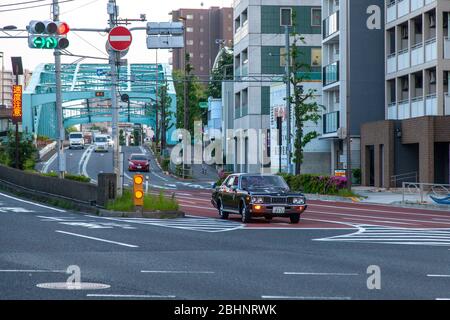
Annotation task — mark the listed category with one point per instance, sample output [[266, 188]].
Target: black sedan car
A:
[[257, 195]]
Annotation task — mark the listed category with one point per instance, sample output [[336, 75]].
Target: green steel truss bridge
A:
[[86, 96]]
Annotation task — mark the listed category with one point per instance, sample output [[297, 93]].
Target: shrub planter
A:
[[145, 214]]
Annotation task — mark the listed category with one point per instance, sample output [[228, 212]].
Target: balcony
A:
[[392, 111], [404, 110], [446, 48], [391, 13], [430, 50], [417, 54], [417, 107], [331, 73], [403, 59], [244, 70], [447, 105], [416, 4], [392, 63], [431, 105], [330, 122], [402, 8], [331, 25]]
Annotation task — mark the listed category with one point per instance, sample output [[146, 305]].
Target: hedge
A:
[[310, 183]]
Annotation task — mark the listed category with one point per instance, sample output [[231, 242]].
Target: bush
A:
[[77, 178], [151, 203], [357, 176], [309, 183], [165, 163]]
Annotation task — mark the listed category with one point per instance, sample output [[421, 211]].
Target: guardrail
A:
[[411, 176], [421, 192]]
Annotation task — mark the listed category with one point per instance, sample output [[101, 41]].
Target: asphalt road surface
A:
[[201, 257], [90, 163]]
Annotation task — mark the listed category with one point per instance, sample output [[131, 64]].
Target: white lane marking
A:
[[380, 221], [129, 296], [178, 272], [442, 299], [438, 275], [381, 211], [32, 203], [373, 217], [160, 177], [85, 164], [198, 207], [49, 162], [33, 271], [320, 274], [82, 159], [98, 239], [305, 298]]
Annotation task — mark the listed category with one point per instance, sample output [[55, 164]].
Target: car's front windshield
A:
[[263, 182], [139, 157], [100, 139], [76, 136]]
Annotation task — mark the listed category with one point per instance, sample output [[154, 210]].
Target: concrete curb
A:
[[149, 214]]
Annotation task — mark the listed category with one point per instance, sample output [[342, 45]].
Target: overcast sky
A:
[[91, 13]]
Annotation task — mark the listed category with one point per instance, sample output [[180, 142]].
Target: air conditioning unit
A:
[[405, 86], [405, 32], [432, 20], [432, 77]]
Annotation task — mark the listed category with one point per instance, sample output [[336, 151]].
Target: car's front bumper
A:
[[261, 210]]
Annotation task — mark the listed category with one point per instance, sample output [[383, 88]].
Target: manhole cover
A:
[[73, 286]]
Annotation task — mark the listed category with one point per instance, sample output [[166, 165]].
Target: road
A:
[[90, 163], [200, 257]]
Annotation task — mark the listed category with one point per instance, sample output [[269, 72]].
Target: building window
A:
[[189, 29], [191, 54], [190, 17], [190, 42], [201, 30], [201, 68], [285, 17], [201, 17], [316, 57], [202, 55], [316, 17]]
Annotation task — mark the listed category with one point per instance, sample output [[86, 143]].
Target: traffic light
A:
[[48, 35], [138, 190]]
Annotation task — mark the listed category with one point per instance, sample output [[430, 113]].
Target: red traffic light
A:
[[63, 28]]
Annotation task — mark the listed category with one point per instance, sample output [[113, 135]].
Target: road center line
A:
[[98, 239], [438, 275], [305, 298], [32, 203], [320, 274], [179, 272], [128, 296], [33, 271]]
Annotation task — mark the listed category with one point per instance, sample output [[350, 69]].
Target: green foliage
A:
[[225, 63], [71, 129], [151, 203], [357, 176], [304, 105], [27, 152], [195, 94], [4, 157], [78, 178], [165, 164], [136, 137], [318, 184], [121, 138]]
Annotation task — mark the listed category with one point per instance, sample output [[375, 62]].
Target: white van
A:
[[76, 140], [101, 143]]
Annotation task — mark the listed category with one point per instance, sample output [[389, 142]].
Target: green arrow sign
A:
[[39, 42], [45, 42]]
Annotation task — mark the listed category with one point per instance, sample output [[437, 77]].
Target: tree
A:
[[195, 94], [165, 101], [27, 152], [220, 73], [304, 105], [121, 138]]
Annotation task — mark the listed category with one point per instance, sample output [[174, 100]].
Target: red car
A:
[[138, 162]]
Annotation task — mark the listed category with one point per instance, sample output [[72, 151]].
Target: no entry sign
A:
[[120, 38]]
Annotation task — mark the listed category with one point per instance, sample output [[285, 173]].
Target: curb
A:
[[149, 214]]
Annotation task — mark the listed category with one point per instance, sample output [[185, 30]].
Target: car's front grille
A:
[[279, 200]]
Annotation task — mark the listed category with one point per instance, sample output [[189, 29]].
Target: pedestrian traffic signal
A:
[[138, 190], [48, 35]]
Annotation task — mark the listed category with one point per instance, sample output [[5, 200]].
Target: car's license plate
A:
[[279, 210], [139, 167]]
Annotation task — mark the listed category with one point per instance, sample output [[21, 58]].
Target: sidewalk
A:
[[393, 197]]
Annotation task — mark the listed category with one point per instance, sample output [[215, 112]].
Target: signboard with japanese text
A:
[[17, 104]]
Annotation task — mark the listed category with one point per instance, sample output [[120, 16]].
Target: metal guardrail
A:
[[411, 176], [421, 191]]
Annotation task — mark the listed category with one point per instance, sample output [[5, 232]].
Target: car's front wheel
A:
[[245, 212], [295, 218], [222, 213]]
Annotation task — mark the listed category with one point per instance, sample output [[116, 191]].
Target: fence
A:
[[421, 192]]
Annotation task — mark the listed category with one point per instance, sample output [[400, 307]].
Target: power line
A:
[[79, 7], [93, 46], [35, 6], [20, 3]]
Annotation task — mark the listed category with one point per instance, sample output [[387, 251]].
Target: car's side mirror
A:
[[213, 185]]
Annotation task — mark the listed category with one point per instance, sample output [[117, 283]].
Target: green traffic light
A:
[[39, 42], [45, 42]]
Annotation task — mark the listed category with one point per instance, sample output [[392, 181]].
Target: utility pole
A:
[[113, 61], [288, 97], [348, 123], [163, 117], [156, 102], [59, 111]]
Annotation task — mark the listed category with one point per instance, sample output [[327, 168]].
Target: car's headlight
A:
[[257, 200], [298, 201], [130, 163]]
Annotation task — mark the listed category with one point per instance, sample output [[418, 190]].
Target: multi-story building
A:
[[414, 141], [353, 77], [206, 30], [8, 79], [259, 62]]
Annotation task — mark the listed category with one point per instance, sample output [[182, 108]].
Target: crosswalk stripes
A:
[[190, 223], [392, 235]]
